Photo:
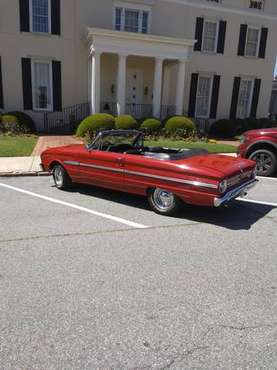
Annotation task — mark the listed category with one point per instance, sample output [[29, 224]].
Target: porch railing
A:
[[109, 107], [66, 121], [139, 110]]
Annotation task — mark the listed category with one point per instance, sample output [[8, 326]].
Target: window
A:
[[252, 42], [203, 97], [42, 85], [131, 20], [245, 98], [40, 16], [254, 4], [210, 36]]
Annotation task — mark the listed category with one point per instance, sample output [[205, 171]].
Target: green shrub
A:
[[10, 124], [151, 125], [125, 122], [229, 128], [94, 123], [179, 122], [24, 121]]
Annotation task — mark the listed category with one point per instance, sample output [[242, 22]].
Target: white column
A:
[[121, 84], [157, 89], [95, 82], [180, 87]]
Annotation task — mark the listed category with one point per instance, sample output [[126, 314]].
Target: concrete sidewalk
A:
[[19, 166]]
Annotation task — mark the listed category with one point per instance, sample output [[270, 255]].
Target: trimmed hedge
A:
[[151, 125], [17, 123], [125, 122], [94, 123], [179, 122], [229, 128]]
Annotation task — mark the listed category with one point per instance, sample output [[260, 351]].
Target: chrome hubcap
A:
[[264, 162], [163, 199], [58, 176]]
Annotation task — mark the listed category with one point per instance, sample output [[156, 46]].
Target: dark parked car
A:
[[261, 146]]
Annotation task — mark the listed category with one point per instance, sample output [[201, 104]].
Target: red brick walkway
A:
[[45, 142]]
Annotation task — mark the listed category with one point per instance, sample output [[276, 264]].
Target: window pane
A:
[[144, 22], [203, 96], [42, 85], [244, 98], [131, 20], [209, 41], [40, 15], [118, 15], [252, 42]]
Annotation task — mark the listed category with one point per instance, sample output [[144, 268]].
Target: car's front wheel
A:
[[164, 202], [266, 162], [61, 178]]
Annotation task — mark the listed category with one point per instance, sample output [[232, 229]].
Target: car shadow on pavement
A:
[[236, 216]]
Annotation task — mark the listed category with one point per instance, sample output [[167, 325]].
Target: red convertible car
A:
[[118, 159]]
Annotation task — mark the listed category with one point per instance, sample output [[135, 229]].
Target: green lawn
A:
[[17, 146], [212, 148]]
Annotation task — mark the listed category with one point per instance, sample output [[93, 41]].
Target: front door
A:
[[134, 97]]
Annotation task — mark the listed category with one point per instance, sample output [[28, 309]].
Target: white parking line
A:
[[83, 209], [257, 202], [266, 178]]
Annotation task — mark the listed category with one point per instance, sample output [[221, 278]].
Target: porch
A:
[[138, 74]]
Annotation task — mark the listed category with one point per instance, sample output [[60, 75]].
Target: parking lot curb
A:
[[22, 174]]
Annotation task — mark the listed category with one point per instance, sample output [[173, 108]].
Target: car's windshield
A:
[[105, 140]]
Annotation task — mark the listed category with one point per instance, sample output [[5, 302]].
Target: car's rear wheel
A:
[[61, 178], [164, 202], [266, 162]]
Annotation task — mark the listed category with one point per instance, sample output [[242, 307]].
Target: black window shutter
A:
[[27, 83], [263, 42], [198, 33], [24, 15], [1, 87], [193, 93], [55, 17], [255, 99], [221, 37], [215, 94], [235, 98], [57, 85], [242, 39]]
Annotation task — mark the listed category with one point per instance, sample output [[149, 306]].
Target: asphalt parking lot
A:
[[92, 279]]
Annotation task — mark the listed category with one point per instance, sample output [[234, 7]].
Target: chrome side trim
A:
[[144, 174], [239, 191], [72, 163], [182, 181]]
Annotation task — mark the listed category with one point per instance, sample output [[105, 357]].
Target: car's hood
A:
[[69, 149], [216, 165]]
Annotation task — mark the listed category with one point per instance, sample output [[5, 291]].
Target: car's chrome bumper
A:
[[234, 193]]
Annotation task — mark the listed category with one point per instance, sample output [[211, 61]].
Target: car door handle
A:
[[120, 161]]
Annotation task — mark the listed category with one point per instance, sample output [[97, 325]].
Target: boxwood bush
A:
[[125, 122], [179, 122], [151, 125], [24, 121], [95, 122], [17, 123], [229, 128]]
